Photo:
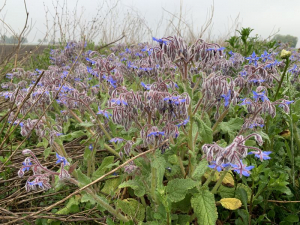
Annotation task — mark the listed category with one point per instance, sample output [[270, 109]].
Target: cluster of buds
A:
[[215, 88], [68, 54], [231, 156], [260, 105], [41, 175]]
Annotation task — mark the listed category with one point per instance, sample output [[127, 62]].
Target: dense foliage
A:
[[189, 134]]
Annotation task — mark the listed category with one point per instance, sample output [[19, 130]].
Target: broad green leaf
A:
[[200, 169], [241, 194], [88, 198], [66, 126], [136, 185], [82, 178], [292, 218], [111, 185], [177, 188], [230, 127], [73, 135], [205, 208], [226, 192], [231, 203], [47, 152], [205, 132], [159, 164], [107, 161], [43, 143], [132, 208], [247, 189], [71, 207]]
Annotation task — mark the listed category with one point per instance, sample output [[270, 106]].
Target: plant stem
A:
[[212, 174], [282, 77], [217, 185], [102, 203], [292, 132]]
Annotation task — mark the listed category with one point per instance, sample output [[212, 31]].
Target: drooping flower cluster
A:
[[42, 176], [231, 156], [260, 104]]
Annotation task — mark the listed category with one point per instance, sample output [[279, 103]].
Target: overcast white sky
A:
[[264, 16]]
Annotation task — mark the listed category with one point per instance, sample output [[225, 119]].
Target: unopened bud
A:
[[285, 54]]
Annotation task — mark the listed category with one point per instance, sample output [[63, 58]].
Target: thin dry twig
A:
[[86, 186]]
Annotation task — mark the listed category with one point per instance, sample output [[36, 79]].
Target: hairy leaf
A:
[[204, 207]]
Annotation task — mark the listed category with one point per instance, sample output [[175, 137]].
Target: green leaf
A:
[[291, 218], [47, 152], [73, 135], [111, 185], [242, 195], [43, 143], [226, 192], [230, 127], [107, 161], [136, 185], [247, 189], [82, 178], [66, 126], [71, 207], [109, 221], [159, 163], [177, 188], [205, 132], [88, 198], [85, 124], [205, 208], [200, 169], [132, 208]]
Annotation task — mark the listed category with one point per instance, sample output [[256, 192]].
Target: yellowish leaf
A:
[[231, 203], [228, 179]]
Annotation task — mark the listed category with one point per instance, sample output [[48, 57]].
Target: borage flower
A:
[[116, 140], [183, 123], [227, 98], [156, 133], [61, 159], [261, 154], [219, 168], [104, 113], [253, 58], [242, 169], [146, 86]]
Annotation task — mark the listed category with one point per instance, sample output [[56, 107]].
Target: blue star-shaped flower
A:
[[61, 159], [156, 133], [104, 113], [146, 86], [261, 154], [242, 169], [183, 123], [116, 140], [253, 58], [219, 168], [260, 96], [160, 41], [265, 56], [227, 98]]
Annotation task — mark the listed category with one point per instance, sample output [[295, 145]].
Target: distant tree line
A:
[[12, 40], [291, 40]]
